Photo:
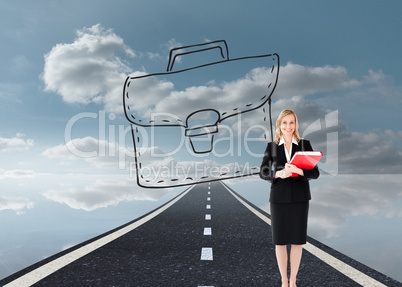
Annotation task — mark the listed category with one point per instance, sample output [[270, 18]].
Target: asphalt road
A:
[[207, 238]]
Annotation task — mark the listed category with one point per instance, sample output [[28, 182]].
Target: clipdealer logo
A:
[[114, 145]]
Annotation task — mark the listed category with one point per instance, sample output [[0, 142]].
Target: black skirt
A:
[[289, 223]]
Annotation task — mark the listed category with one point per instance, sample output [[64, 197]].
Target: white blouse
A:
[[288, 154]]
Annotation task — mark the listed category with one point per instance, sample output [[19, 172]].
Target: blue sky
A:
[[64, 59]]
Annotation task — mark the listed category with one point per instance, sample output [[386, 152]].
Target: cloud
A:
[[214, 95], [110, 192], [103, 193], [335, 199], [17, 204], [353, 152], [100, 153], [171, 44], [295, 82], [17, 143], [394, 135], [152, 97], [375, 77], [298, 80], [88, 70], [104, 154], [351, 195], [155, 163], [92, 68], [242, 179], [368, 153], [17, 173]]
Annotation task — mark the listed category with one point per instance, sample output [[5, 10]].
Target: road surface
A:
[[207, 236]]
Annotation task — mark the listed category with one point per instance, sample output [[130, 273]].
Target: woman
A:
[[289, 196]]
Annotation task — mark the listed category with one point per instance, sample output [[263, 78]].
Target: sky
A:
[[66, 149]]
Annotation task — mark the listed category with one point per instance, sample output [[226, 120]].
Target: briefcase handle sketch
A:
[[187, 96], [220, 46]]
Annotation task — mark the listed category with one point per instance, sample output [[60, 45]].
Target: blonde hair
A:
[[278, 133]]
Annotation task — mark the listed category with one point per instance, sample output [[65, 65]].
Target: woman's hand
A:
[[293, 169], [282, 174]]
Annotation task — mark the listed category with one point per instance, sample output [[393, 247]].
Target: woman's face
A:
[[288, 125]]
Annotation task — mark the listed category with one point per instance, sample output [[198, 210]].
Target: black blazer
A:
[[292, 189]]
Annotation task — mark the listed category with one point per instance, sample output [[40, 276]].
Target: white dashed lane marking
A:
[[207, 254]]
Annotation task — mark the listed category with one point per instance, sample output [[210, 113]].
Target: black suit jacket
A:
[[292, 189]]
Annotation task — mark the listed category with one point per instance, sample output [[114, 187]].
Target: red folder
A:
[[305, 160]]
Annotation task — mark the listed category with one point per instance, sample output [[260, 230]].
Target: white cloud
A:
[[296, 80], [95, 45], [234, 181], [88, 70], [103, 193], [351, 195], [335, 199], [104, 154], [17, 204], [60, 151], [368, 153], [357, 152], [17, 143], [17, 173], [100, 153], [394, 135], [374, 77], [155, 163], [171, 44], [234, 93], [153, 56], [110, 192]]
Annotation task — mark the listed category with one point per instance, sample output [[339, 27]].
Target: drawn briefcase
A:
[[198, 121]]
